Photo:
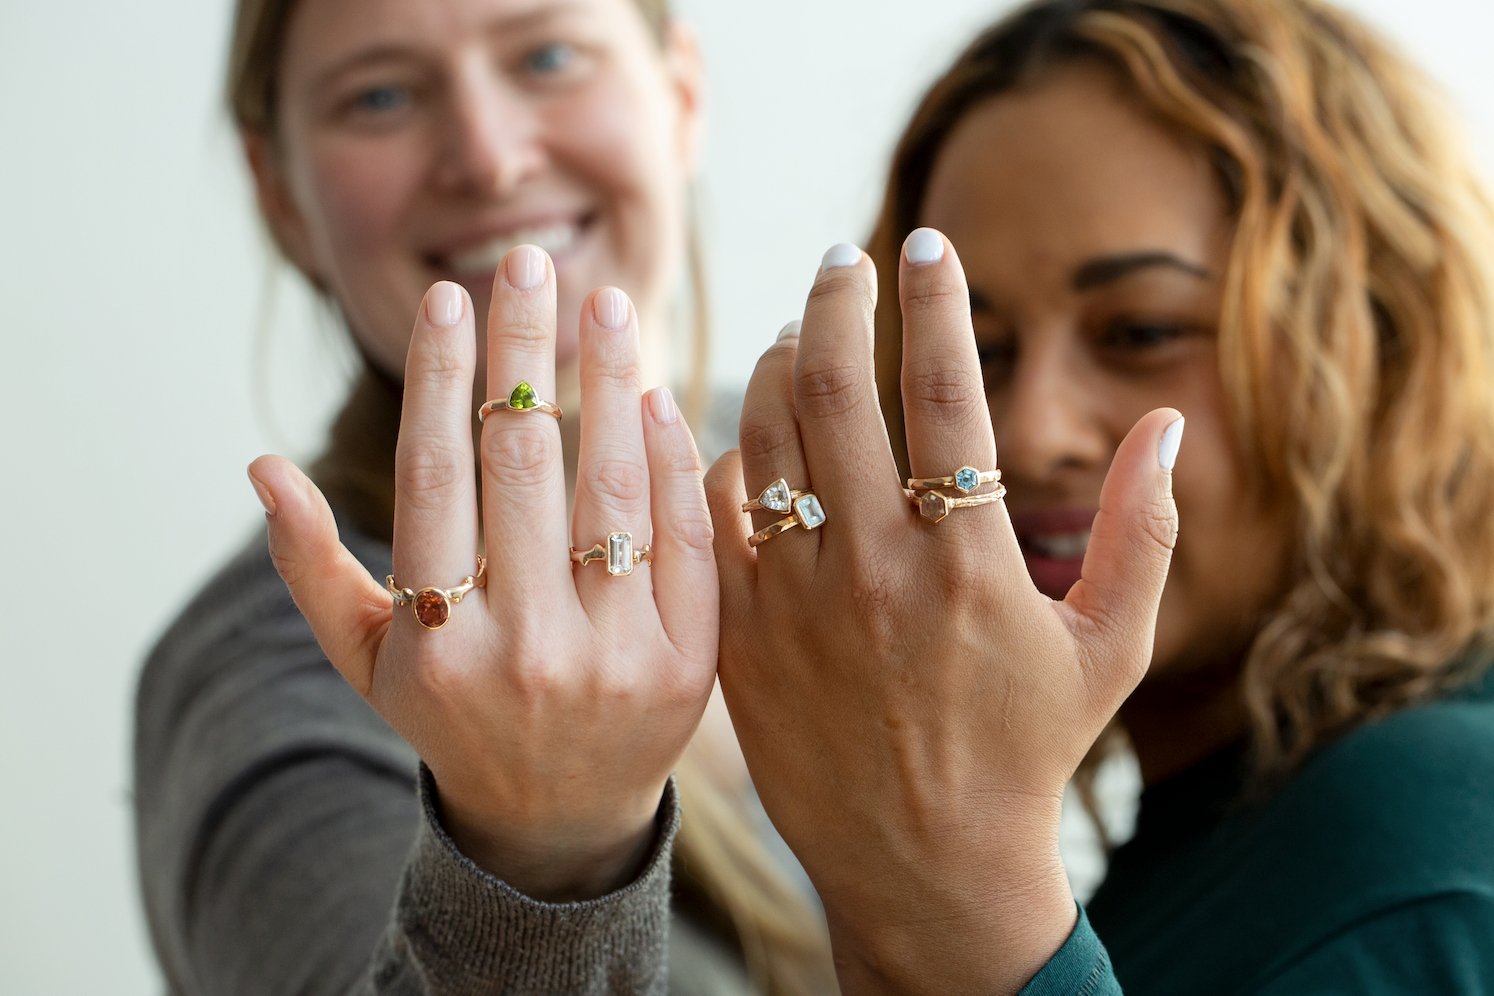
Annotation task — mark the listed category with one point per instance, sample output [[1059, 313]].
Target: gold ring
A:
[[776, 497], [619, 554], [965, 480], [808, 513], [936, 506], [433, 605], [521, 399]]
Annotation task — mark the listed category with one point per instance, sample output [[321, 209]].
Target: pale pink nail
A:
[[525, 269], [611, 308], [661, 405], [443, 304]]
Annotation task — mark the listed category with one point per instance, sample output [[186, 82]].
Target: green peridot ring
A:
[[520, 399]]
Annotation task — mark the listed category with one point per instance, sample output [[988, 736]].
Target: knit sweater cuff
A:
[[466, 931]]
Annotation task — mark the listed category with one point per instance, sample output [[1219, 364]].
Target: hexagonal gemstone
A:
[[522, 398], [933, 506], [775, 496], [432, 608], [619, 554], [967, 479], [809, 512]]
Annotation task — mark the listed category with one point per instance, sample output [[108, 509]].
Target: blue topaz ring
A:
[[776, 497], [808, 513], [965, 480], [935, 506], [618, 554]]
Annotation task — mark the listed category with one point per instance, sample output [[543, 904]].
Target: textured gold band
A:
[[808, 513], [432, 606], [935, 506], [965, 480]]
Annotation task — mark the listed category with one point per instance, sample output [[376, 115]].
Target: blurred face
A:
[[419, 140], [1095, 243]]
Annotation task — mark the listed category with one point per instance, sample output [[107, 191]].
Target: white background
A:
[[133, 292]]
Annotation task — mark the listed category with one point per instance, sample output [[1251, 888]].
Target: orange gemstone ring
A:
[[433, 605]]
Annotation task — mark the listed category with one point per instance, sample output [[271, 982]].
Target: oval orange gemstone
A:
[[432, 608]]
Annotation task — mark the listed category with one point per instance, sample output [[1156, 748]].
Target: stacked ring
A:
[[521, 399], [965, 480], [776, 497], [808, 513], [432, 606], [935, 506], [618, 553]]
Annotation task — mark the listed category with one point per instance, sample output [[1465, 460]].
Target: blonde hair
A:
[[723, 874], [1357, 337]]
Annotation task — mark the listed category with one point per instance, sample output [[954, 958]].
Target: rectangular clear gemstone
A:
[[620, 553], [811, 515]]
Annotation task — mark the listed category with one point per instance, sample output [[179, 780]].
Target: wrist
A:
[[561, 859]]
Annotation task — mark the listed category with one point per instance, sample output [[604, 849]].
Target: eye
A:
[[379, 100], [1142, 335], [550, 59]]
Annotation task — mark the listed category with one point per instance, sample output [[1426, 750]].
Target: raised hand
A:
[[556, 698], [909, 705]]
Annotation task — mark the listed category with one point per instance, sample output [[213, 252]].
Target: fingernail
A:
[[611, 307], [525, 269], [661, 405], [924, 245], [841, 254], [1172, 438], [265, 498], [443, 304], [789, 331]]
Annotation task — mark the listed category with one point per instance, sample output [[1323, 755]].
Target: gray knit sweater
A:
[[289, 840]]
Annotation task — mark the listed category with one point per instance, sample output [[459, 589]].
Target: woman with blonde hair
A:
[[471, 164], [1242, 212]]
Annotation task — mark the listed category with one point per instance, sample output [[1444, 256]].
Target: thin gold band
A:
[[776, 497], [966, 480], [934, 506], [808, 513], [617, 553], [521, 399]]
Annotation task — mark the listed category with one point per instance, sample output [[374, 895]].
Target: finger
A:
[[845, 441], [1130, 547], [771, 452], [946, 419], [736, 562], [684, 570], [612, 480], [435, 506], [523, 474], [348, 610]]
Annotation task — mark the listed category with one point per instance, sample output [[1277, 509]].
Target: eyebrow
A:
[[388, 52], [1104, 269]]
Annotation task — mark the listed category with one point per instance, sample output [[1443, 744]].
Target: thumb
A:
[[1130, 545], [348, 610]]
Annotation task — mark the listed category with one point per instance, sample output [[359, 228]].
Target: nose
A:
[[491, 135], [1048, 417]]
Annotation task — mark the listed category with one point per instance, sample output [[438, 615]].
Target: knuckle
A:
[[936, 391], [442, 366], [621, 482], [694, 533], [933, 298], [522, 455], [618, 372], [829, 388], [1158, 520], [429, 473], [521, 331], [764, 440], [840, 281]]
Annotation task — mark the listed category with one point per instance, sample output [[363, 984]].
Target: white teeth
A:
[[1061, 546], [554, 239]]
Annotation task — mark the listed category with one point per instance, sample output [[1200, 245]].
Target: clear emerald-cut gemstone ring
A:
[[433, 605], [618, 553], [965, 480], [808, 513], [521, 399]]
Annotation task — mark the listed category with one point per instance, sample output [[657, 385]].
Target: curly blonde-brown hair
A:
[[1356, 341]]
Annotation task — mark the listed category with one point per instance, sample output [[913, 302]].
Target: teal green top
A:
[[1370, 871]]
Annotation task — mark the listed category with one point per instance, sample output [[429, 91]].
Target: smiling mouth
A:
[[1056, 546], [555, 238]]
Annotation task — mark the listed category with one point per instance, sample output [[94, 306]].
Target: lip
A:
[[1053, 576]]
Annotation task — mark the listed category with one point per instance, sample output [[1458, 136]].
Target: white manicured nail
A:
[[789, 331], [924, 245], [1172, 438], [840, 254]]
